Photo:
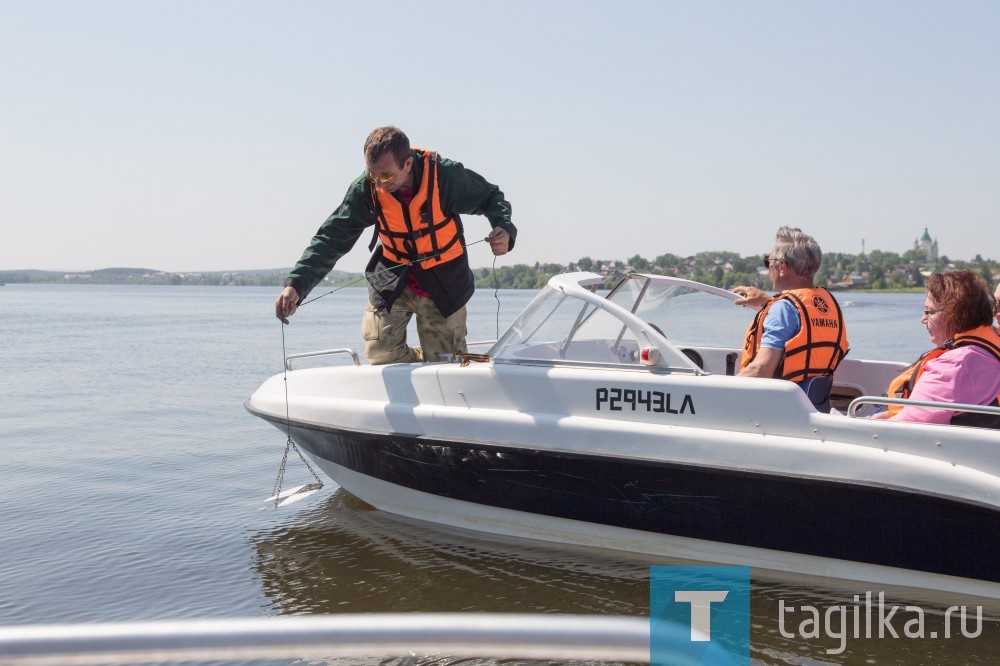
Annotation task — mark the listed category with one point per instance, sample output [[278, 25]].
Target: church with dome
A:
[[927, 246]]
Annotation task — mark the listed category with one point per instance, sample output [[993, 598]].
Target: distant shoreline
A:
[[876, 272], [841, 292]]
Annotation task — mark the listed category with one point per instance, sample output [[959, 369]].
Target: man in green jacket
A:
[[414, 199]]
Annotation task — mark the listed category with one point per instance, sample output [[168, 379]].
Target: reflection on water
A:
[[339, 555], [343, 556]]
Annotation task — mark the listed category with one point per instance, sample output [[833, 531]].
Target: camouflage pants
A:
[[385, 332]]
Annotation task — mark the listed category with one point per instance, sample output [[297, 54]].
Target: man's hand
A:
[[499, 241], [287, 304], [752, 297]]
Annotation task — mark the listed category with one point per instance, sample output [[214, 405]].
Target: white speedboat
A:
[[615, 422]]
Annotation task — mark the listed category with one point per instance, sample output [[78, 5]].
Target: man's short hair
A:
[[384, 140], [799, 250]]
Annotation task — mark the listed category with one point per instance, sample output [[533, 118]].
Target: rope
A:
[[386, 270], [496, 293]]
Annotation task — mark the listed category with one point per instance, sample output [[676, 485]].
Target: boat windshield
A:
[[567, 324], [543, 330], [688, 313]]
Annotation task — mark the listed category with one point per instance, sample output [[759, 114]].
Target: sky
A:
[[210, 136]]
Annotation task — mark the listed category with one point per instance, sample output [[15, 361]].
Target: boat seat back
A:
[[818, 391], [694, 356]]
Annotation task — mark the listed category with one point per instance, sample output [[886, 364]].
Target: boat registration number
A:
[[638, 400]]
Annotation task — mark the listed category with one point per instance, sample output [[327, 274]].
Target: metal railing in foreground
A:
[[511, 636]]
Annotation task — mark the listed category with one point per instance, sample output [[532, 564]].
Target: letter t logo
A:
[[701, 610]]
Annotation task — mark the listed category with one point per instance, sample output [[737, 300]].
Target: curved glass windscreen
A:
[[559, 326]]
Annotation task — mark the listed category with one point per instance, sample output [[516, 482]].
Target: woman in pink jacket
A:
[[964, 366]]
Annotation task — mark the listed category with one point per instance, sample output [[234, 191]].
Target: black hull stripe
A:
[[861, 523]]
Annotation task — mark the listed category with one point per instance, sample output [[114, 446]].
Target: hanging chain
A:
[[305, 462], [289, 444], [281, 475]]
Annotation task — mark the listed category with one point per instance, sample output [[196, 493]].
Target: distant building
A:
[[927, 246], [853, 281]]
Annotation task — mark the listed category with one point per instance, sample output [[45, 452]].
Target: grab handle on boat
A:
[[950, 406], [325, 352]]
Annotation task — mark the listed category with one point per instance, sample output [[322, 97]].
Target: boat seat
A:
[[841, 395], [818, 390], [695, 357]]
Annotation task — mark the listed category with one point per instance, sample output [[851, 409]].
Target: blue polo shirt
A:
[[781, 324]]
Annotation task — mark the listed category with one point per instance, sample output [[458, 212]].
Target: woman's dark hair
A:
[[964, 298]]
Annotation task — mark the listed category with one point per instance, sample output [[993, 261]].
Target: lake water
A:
[[132, 477]]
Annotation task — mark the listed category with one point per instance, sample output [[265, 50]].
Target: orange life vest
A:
[[421, 232], [819, 346], [982, 336]]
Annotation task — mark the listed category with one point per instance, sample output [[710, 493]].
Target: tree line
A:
[[875, 270]]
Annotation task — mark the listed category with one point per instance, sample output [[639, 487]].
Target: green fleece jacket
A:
[[463, 191]]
